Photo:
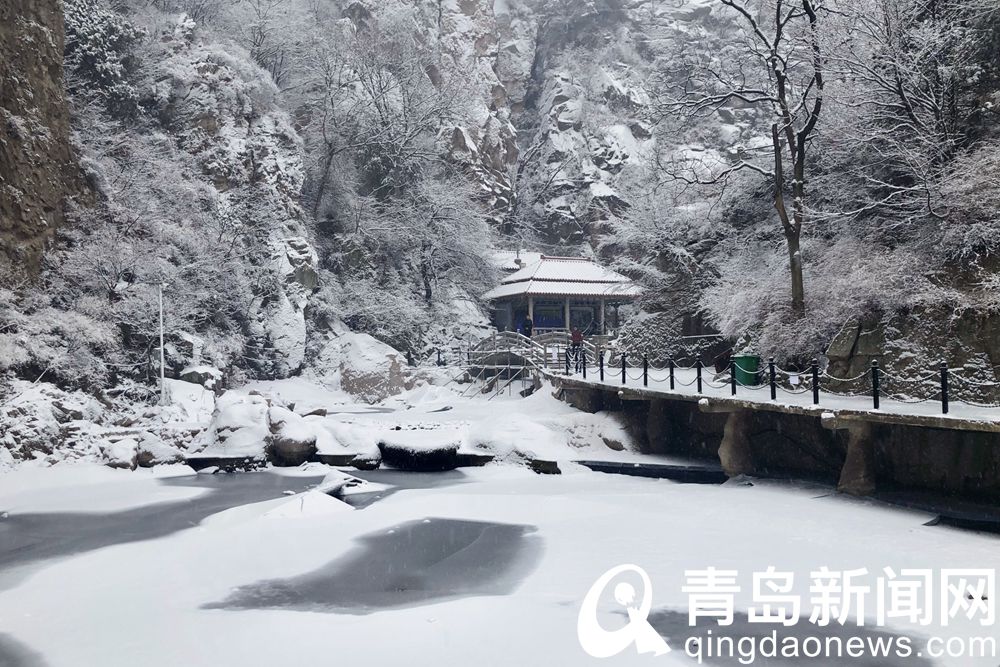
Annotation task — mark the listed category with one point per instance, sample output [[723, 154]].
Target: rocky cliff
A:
[[35, 157], [558, 125]]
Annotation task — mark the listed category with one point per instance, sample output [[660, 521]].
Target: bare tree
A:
[[373, 101], [779, 67], [918, 80], [439, 228]]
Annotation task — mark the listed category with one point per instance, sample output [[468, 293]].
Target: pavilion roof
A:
[[565, 276]]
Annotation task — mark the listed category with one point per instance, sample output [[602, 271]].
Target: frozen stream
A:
[[31, 537], [486, 566]]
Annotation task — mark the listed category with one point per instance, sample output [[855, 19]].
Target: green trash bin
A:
[[747, 368]]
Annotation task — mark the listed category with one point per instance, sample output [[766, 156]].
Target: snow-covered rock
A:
[[420, 450], [309, 504], [362, 366], [358, 442], [39, 420], [371, 370], [514, 437], [239, 429], [293, 439], [326, 442], [208, 377], [187, 402], [121, 453], [153, 451], [334, 482]]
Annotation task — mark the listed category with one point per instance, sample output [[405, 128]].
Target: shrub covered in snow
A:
[[99, 43]]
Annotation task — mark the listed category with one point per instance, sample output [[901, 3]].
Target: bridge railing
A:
[[547, 350], [940, 385]]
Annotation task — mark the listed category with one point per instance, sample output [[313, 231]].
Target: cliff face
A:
[[35, 154], [558, 124]]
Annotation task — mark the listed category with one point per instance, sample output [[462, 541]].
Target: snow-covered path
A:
[[496, 561], [960, 415]]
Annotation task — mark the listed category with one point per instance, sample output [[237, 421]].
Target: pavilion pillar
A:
[[566, 314], [600, 317], [531, 309]]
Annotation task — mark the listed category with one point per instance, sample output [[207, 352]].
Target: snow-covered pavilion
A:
[[560, 294]]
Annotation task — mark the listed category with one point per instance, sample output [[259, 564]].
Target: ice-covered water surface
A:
[[27, 537], [496, 576], [15, 654], [413, 563]]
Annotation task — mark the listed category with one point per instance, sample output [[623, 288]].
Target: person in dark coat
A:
[[576, 343], [529, 326]]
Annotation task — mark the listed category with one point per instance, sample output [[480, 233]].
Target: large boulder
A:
[[152, 450], [371, 370], [293, 439], [240, 429], [361, 365], [420, 451], [121, 453], [349, 444]]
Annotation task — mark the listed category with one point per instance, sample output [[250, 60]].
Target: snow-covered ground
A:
[[507, 426], [167, 567], [491, 566]]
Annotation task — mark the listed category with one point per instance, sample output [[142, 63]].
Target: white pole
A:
[[163, 384]]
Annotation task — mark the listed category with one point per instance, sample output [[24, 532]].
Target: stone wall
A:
[[35, 156], [912, 345]]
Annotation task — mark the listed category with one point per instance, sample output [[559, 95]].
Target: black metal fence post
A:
[[732, 376], [645, 370], [944, 388], [566, 354], [814, 365], [875, 383], [670, 365], [771, 378], [698, 366], [600, 364], [623, 367], [583, 361]]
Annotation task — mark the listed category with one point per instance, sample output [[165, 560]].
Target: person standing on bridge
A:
[[528, 326], [576, 343]]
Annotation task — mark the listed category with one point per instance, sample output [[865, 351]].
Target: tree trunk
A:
[[427, 272], [798, 220], [795, 268], [791, 227], [323, 181]]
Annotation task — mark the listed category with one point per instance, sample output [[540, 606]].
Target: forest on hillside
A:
[[775, 169]]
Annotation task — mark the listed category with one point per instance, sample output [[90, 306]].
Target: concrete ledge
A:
[[725, 404]]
